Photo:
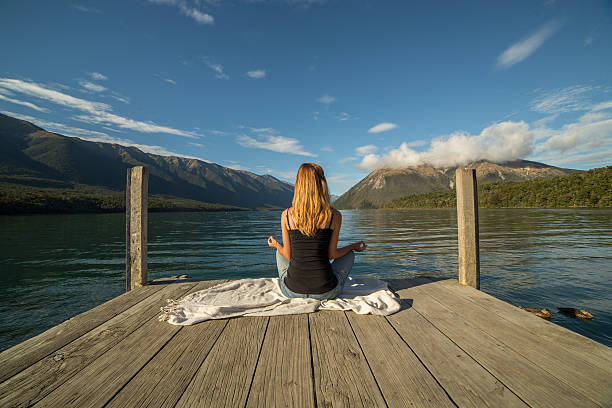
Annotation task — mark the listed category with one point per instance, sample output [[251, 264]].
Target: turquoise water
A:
[[53, 267]]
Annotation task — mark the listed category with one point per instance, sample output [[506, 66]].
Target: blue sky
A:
[[353, 85]]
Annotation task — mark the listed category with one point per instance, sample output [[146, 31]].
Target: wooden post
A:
[[136, 217], [467, 226]]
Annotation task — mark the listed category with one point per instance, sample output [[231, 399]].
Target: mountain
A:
[[386, 184], [34, 157]]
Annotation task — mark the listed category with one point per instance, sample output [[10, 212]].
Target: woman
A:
[[310, 239]]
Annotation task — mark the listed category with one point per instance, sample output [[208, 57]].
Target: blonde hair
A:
[[311, 207]]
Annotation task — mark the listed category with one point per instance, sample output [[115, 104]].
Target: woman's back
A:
[[309, 268]]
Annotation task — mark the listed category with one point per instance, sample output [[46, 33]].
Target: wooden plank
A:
[[466, 381], [595, 353], [23, 355], [401, 377], [591, 381], [98, 382], [341, 372], [41, 378], [225, 377], [284, 373], [531, 383], [164, 379]]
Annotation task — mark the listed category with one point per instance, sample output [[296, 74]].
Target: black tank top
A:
[[309, 268]]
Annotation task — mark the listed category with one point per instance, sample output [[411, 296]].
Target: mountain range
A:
[[34, 157], [386, 184]]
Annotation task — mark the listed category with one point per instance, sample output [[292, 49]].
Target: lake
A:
[[53, 267]]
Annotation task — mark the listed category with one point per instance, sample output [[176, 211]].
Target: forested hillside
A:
[[592, 188]]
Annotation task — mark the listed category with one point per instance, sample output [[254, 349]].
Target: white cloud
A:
[[602, 106], [279, 144], [259, 130], [326, 99], [218, 68], [257, 74], [527, 46], [168, 80], [347, 159], [315, 115], [195, 14], [236, 166], [98, 76], [417, 143], [120, 97], [592, 131], [191, 12], [327, 149], [367, 149], [107, 118], [90, 86], [568, 99], [86, 9], [345, 116], [382, 127], [51, 95], [97, 112], [590, 159], [94, 136], [23, 103], [500, 142]]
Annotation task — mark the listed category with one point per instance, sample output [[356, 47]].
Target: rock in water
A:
[[581, 313], [543, 313]]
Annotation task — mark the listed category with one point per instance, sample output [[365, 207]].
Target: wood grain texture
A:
[[99, 381], [531, 383], [591, 351], [164, 379], [467, 227], [342, 375], [467, 383], [401, 377], [591, 381], [225, 377], [41, 378], [284, 373], [23, 355]]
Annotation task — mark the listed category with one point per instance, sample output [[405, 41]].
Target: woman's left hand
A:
[[273, 243], [359, 246]]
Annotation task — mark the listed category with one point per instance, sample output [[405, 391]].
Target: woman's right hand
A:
[[359, 246], [273, 243]]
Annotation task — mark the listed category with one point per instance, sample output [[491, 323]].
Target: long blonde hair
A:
[[311, 207]]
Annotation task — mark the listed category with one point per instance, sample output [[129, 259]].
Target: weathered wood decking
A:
[[450, 345]]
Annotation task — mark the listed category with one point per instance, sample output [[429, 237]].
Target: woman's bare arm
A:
[[285, 248], [334, 251]]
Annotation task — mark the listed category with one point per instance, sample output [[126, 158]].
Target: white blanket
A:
[[263, 297]]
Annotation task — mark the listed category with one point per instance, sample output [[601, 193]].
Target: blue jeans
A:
[[341, 267]]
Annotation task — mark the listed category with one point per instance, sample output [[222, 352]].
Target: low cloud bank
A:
[[500, 142]]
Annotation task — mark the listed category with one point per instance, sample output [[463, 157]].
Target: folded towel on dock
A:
[[263, 297]]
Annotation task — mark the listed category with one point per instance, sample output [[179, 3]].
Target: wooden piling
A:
[[467, 226], [136, 217]]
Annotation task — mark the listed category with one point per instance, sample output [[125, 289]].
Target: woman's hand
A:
[[273, 243], [359, 246]]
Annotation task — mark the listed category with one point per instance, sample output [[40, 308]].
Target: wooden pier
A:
[[450, 345]]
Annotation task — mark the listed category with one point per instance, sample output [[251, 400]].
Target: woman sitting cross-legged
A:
[[311, 228]]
